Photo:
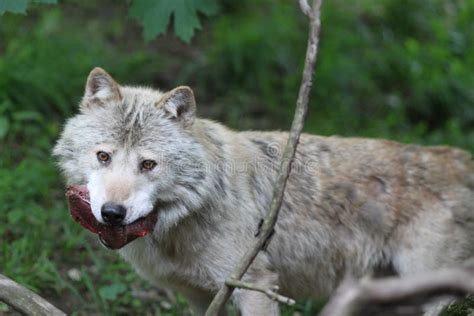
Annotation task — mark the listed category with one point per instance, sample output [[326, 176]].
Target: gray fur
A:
[[351, 206]]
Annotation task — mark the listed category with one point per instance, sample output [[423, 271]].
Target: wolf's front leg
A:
[[252, 303], [255, 303], [198, 300]]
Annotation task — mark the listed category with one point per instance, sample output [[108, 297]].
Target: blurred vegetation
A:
[[398, 69]]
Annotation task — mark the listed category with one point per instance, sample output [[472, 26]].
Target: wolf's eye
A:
[[148, 165], [103, 157]]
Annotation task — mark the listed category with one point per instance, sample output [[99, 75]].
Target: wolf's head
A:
[[135, 151]]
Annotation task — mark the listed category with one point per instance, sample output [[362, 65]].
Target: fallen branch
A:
[[270, 292], [288, 155], [24, 300], [353, 296]]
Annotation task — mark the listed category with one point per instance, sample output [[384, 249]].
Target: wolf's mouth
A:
[[113, 237]]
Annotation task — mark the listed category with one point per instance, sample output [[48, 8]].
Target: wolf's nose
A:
[[112, 213]]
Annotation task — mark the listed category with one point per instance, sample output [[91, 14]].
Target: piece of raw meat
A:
[[113, 237]]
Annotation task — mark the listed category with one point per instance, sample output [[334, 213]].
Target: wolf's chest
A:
[[162, 269], [147, 260]]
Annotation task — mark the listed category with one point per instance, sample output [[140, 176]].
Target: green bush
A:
[[407, 63]]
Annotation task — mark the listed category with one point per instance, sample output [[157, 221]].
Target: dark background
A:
[[396, 69]]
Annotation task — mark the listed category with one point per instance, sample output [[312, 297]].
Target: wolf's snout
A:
[[112, 213]]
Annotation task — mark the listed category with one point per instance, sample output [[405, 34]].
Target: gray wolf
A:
[[352, 206]]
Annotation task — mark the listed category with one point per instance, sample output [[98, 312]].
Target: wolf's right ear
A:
[[179, 104], [100, 87]]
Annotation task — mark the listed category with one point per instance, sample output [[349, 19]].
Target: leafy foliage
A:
[[154, 15], [20, 6], [374, 77]]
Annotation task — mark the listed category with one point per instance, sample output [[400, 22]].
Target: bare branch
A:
[[24, 300], [288, 155], [304, 6], [352, 296], [271, 293]]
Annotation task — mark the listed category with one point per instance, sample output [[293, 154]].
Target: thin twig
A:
[[304, 6], [288, 155], [24, 300], [352, 296], [270, 292]]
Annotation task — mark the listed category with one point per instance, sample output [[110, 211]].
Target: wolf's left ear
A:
[[179, 104], [101, 86]]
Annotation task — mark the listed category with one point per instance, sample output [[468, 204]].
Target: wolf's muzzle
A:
[[113, 214]]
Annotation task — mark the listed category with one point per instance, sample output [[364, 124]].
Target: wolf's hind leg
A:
[[434, 240]]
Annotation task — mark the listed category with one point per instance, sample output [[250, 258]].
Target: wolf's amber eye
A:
[[148, 165], [103, 157]]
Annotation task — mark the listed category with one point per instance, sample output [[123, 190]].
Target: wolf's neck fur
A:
[[229, 165], [231, 205]]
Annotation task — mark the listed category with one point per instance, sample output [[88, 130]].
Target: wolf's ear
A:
[[101, 86], [179, 104]]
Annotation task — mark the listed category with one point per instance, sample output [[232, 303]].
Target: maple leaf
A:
[[154, 16]]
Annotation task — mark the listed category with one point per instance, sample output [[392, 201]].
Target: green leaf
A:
[[111, 292], [185, 20], [14, 6], [19, 6], [154, 15]]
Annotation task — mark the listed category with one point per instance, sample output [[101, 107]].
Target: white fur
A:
[[104, 92], [139, 204], [97, 194]]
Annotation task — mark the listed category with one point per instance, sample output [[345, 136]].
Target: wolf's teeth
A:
[[103, 242]]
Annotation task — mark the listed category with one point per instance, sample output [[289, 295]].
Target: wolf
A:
[[352, 206]]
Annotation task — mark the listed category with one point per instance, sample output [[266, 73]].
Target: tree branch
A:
[[288, 155], [352, 296], [24, 300], [270, 292], [304, 6]]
